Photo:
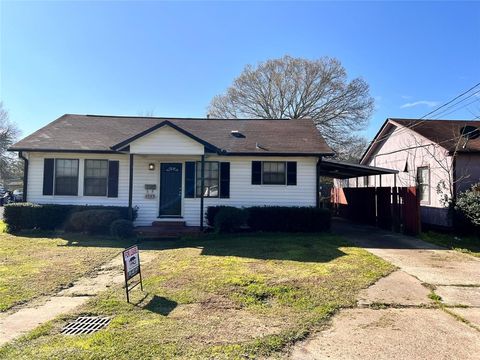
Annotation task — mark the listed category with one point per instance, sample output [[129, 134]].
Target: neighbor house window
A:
[[423, 180], [366, 181], [210, 185], [274, 173], [96, 178], [66, 177]]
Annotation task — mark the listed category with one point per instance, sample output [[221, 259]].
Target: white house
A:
[[155, 164], [440, 157]]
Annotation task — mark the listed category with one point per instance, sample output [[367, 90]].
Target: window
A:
[[273, 173], [423, 180], [366, 181], [66, 177], [210, 185], [96, 178]]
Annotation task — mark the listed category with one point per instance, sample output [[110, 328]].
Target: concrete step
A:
[[169, 224], [155, 232]]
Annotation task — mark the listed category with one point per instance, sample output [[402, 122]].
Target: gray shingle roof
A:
[[443, 132], [101, 133]]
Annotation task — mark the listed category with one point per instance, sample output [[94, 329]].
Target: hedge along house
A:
[[172, 169], [439, 157]]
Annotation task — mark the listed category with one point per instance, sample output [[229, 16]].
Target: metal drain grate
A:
[[86, 325]]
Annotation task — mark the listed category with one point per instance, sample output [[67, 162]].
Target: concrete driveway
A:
[[1, 212], [396, 317]]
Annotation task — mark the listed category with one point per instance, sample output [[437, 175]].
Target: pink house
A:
[[440, 157]]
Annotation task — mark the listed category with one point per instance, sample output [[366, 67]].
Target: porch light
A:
[[151, 166]]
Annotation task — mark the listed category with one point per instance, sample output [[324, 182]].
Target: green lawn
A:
[[221, 297], [34, 265], [465, 244]]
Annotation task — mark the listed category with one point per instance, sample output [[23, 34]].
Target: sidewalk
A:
[[395, 318], [45, 309]]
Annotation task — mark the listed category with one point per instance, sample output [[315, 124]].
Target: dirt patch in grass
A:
[[465, 244], [34, 264], [220, 297]]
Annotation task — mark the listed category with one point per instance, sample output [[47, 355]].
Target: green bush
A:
[[121, 229], [468, 202], [21, 216], [276, 218], [288, 219], [230, 219], [212, 211], [92, 221]]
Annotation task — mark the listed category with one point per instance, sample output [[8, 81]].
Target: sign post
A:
[[131, 267]]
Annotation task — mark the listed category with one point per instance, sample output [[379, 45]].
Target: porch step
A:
[[169, 224], [157, 232]]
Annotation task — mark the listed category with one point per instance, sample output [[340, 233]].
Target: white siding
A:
[[166, 141], [242, 193], [35, 180]]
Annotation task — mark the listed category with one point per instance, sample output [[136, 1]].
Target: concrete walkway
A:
[[395, 318], [41, 310]]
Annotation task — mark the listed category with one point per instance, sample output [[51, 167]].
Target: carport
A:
[[392, 208], [345, 170]]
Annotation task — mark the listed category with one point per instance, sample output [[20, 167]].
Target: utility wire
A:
[[417, 123]]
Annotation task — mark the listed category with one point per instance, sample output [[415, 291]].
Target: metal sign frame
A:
[[128, 287]]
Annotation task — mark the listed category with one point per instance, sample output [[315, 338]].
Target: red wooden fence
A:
[[394, 208]]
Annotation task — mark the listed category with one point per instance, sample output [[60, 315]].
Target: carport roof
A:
[[344, 170]]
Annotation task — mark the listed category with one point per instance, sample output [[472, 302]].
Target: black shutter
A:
[[113, 178], [48, 172], [256, 172], [224, 179], [190, 179], [291, 173]]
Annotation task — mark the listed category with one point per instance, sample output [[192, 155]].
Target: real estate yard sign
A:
[[131, 267]]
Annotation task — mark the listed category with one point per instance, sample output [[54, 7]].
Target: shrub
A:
[[468, 202], [22, 216], [275, 218], [230, 219], [92, 221], [18, 216], [212, 211], [288, 219], [121, 229]]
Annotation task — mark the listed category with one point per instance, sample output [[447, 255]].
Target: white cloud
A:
[[419, 103]]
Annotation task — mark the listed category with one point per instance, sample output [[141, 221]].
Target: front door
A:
[[170, 189]]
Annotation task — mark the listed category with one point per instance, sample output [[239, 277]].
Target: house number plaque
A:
[[150, 191]]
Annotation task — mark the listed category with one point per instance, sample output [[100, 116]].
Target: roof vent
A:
[[237, 134], [260, 147]]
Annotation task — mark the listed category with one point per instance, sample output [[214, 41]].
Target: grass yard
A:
[[33, 266], [465, 244], [222, 297]]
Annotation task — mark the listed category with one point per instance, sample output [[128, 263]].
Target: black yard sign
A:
[[131, 267]]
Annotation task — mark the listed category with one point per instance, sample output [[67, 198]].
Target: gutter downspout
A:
[[25, 175], [202, 185], [130, 189], [318, 181]]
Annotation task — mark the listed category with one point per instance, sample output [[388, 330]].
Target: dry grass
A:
[[33, 264], [224, 297]]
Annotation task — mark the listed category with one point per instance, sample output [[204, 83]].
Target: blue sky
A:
[[132, 58]]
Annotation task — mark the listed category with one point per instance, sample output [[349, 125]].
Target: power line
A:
[[409, 127], [465, 105]]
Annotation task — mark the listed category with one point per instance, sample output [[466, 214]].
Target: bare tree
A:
[[10, 166], [295, 88]]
